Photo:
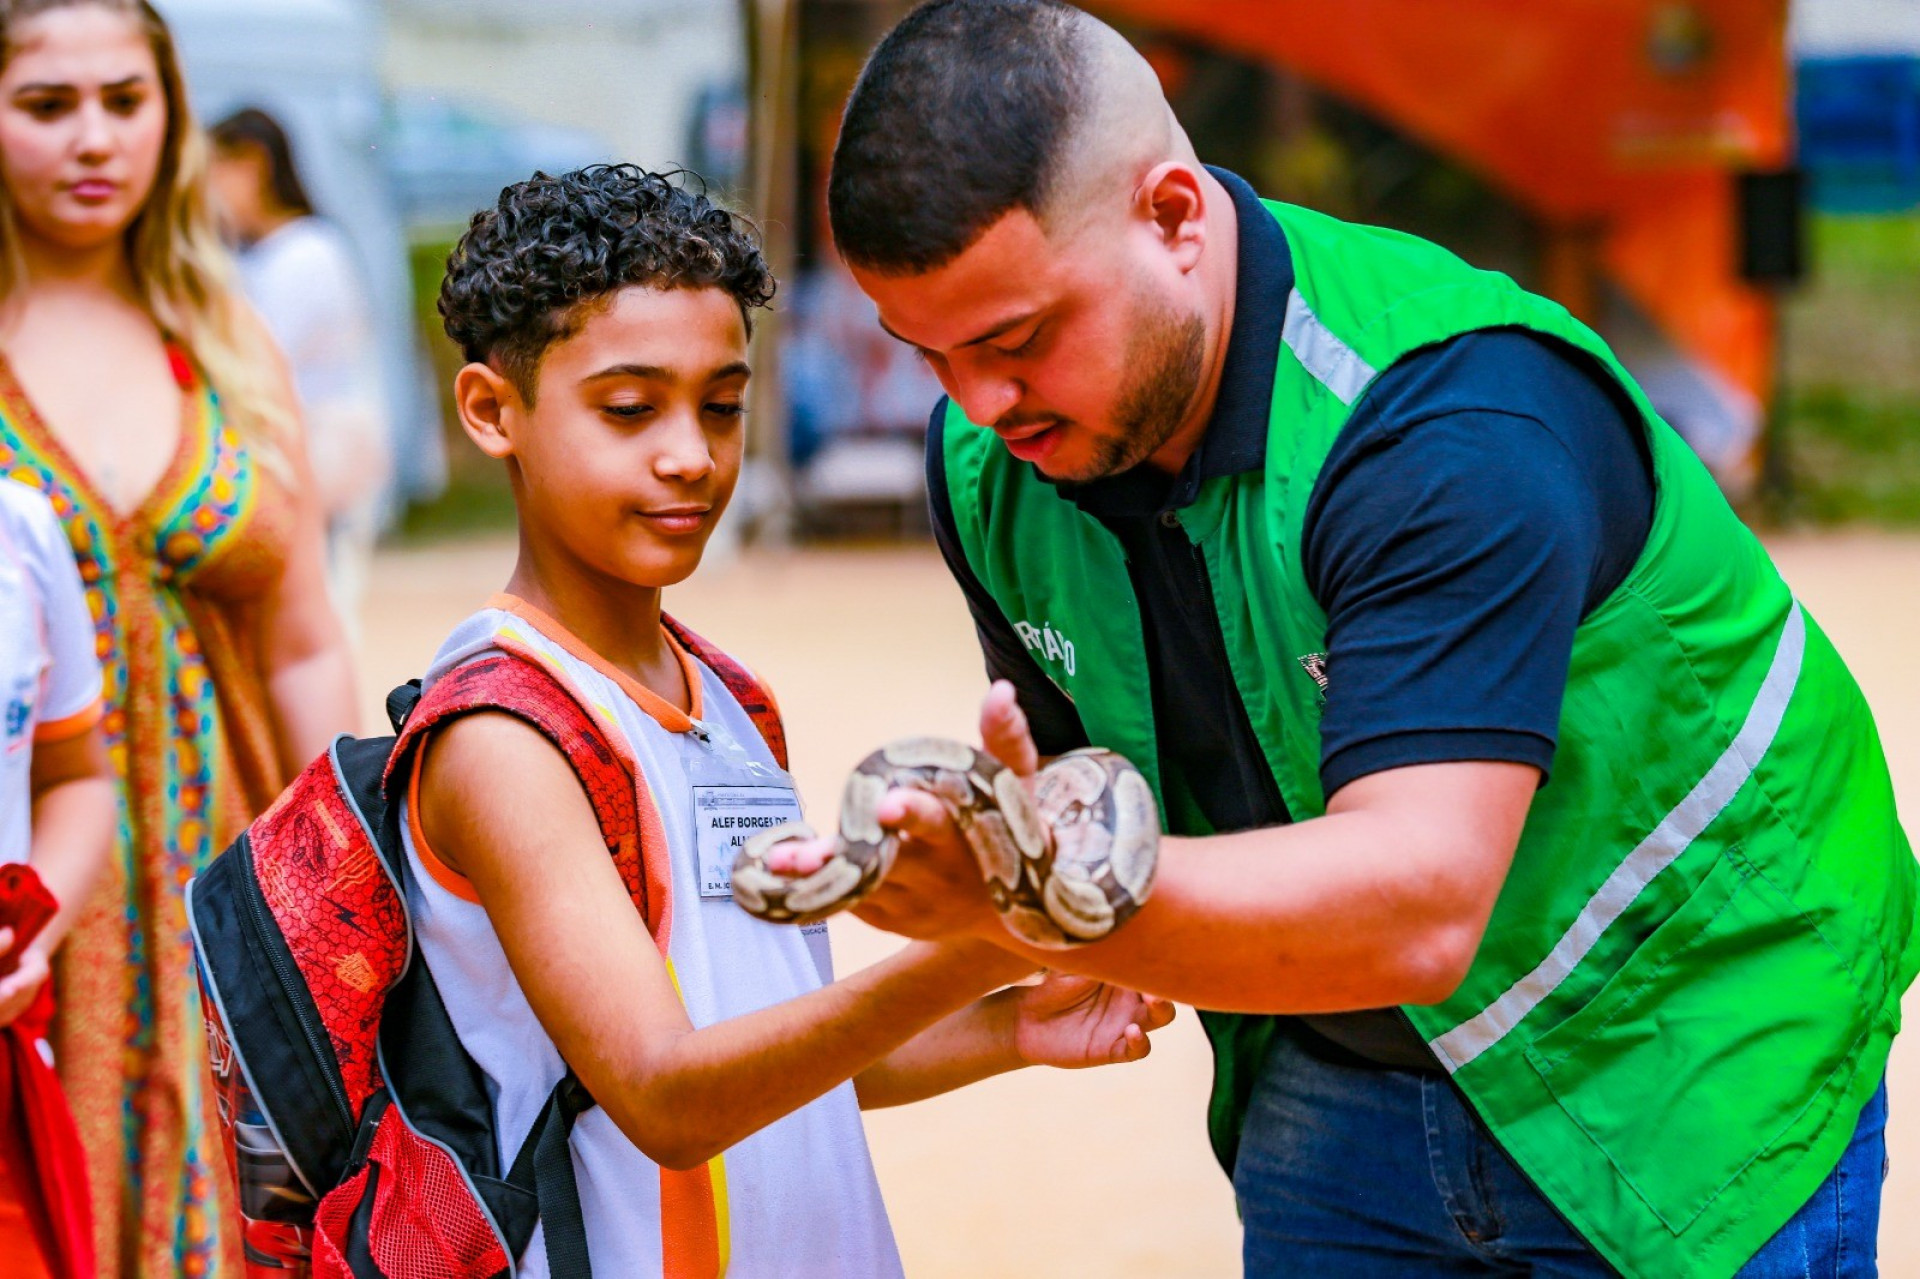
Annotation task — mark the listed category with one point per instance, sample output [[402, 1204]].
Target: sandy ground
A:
[[1103, 1172]]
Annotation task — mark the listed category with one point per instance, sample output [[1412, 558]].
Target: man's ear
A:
[[1172, 197], [483, 395]]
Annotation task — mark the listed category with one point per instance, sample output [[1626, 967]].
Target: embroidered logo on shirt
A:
[[19, 711], [1315, 665], [1046, 643]]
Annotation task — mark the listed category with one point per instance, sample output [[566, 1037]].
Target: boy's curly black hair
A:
[[526, 269]]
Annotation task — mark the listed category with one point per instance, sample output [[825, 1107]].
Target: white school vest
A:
[[799, 1197]]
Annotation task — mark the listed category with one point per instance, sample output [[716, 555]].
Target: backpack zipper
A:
[[261, 919]]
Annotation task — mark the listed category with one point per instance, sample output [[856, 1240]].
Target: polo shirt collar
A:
[[1236, 437]]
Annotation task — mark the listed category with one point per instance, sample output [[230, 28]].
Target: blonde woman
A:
[[142, 398]]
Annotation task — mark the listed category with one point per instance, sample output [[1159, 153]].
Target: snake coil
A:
[[1065, 865]]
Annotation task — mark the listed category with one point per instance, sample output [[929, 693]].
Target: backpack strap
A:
[[503, 683], [544, 1167], [753, 696]]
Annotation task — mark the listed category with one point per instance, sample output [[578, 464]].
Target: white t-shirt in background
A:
[[305, 282], [49, 673]]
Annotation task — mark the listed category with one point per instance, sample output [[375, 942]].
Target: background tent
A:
[[1620, 125], [1611, 138]]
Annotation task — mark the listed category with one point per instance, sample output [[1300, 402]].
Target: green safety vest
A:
[[1692, 977]]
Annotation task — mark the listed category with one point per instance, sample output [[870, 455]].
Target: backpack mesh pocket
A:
[[409, 1211]]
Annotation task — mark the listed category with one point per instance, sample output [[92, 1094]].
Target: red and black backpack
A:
[[360, 1131]]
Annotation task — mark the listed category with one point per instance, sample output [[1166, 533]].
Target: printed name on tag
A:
[[725, 817]]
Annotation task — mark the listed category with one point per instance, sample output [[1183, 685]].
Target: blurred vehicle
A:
[[1859, 123], [447, 158], [716, 146]]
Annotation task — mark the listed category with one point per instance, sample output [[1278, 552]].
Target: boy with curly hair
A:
[[604, 314]]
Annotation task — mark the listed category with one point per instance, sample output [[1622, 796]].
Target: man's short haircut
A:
[[962, 115], [527, 270]]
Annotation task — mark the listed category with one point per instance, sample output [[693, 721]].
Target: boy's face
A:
[[626, 459]]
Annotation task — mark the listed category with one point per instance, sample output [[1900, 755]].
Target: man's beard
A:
[[1166, 357]]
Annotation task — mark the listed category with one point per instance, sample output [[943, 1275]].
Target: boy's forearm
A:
[[973, 1044], [722, 1083]]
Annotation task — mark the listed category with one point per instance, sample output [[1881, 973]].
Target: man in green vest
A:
[[1532, 854]]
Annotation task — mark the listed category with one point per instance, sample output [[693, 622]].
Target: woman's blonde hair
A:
[[179, 265]]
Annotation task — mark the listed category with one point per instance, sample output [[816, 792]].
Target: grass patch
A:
[[1851, 415], [1853, 455], [477, 500]]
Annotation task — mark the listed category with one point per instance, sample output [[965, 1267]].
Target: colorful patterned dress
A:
[[176, 588]]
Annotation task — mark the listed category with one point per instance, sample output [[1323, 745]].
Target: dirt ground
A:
[[1105, 1172]]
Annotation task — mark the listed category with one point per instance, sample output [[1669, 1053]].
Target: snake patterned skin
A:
[[1064, 865]]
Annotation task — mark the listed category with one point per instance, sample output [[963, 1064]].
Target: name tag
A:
[[725, 817]]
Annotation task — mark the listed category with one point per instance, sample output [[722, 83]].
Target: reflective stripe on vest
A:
[[1337, 365], [1659, 850]]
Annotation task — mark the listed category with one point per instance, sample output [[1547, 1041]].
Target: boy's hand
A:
[[18, 988], [1071, 1021]]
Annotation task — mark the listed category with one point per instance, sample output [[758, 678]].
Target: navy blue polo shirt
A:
[[1486, 494]]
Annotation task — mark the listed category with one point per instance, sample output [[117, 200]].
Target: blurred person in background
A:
[[142, 396], [301, 275]]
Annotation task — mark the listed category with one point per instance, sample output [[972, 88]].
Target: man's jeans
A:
[[1356, 1172]]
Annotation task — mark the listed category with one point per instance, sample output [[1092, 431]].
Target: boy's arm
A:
[[534, 855], [73, 820], [1064, 1021]]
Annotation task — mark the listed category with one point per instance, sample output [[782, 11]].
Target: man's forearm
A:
[[1381, 902]]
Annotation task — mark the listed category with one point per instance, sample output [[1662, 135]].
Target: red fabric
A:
[[333, 1226], [38, 1133], [180, 366], [521, 688], [747, 690], [343, 920], [342, 917]]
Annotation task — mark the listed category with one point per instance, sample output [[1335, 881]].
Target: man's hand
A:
[[935, 888], [18, 989], [1070, 1022]]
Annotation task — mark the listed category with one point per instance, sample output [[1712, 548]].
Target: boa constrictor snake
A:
[[1065, 865]]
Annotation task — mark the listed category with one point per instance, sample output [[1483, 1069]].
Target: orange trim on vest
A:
[[663, 712], [689, 1224], [646, 870], [444, 875], [70, 726], [655, 860]]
